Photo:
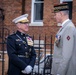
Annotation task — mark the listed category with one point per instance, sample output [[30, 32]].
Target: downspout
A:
[[23, 7]]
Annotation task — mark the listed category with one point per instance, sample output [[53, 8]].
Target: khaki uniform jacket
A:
[[72, 63], [63, 49]]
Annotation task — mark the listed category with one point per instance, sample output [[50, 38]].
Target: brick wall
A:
[[5, 65], [74, 12], [13, 9]]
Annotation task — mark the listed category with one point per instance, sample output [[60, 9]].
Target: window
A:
[[37, 12], [70, 6], [61, 1]]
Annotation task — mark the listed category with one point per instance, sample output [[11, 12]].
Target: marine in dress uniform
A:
[[64, 41], [20, 49]]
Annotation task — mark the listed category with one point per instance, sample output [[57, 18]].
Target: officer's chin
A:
[[26, 30]]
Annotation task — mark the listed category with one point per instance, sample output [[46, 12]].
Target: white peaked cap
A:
[[22, 18]]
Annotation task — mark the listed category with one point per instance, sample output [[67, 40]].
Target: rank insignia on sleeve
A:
[[68, 37]]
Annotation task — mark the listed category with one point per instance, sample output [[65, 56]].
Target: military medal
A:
[[29, 41], [57, 40]]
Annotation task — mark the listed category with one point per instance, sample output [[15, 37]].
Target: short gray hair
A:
[[66, 12]]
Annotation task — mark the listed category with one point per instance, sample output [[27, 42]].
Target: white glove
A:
[[23, 71], [27, 70]]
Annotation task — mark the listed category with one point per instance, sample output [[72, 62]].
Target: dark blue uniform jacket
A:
[[20, 53]]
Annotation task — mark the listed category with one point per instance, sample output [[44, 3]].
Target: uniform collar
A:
[[20, 33], [64, 22]]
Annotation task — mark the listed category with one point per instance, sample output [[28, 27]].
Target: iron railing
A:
[[43, 46], [44, 56]]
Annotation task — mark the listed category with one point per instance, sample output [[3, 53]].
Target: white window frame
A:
[[32, 17], [61, 1]]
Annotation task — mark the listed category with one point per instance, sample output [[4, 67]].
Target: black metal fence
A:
[[43, 46], [44, 55], [3, 33]]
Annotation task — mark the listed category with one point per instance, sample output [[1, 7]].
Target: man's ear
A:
[[61, 13]]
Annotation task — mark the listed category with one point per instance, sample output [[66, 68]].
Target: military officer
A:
[[20, 49], [64, 41]]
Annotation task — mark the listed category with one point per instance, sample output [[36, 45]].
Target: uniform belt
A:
[[26, 56]]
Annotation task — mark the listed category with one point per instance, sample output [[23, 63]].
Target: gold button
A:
[[25, 47], [19, 44]]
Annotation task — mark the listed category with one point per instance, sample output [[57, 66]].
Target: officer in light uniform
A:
[[72, 63], [64, 41], [20, 49]]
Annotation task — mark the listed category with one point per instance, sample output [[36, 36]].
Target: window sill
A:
[[36, 24]]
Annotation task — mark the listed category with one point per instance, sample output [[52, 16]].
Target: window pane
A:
[[38, 11]]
